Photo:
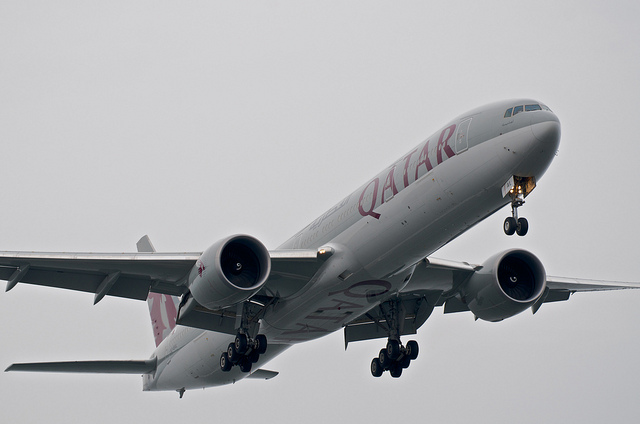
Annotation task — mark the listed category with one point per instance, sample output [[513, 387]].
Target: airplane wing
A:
[[448, 275], [435, 282], [134, 275]]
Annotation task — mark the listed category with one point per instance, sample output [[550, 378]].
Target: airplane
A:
[[363, 266]]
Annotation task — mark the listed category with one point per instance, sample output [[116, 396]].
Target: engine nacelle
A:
[[508, 283], [229, 272]]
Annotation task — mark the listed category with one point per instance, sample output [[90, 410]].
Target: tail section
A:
[[162, 308]]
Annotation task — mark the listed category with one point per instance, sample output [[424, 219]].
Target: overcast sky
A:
[[191, 121]]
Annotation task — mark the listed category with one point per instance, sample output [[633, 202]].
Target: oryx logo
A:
[[200, 268]]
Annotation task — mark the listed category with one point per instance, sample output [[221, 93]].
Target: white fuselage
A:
[[426, 198]]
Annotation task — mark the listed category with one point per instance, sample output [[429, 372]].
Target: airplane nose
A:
[[547, 130]]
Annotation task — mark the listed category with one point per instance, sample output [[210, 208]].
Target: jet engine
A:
[[507, 284], [229, 272]]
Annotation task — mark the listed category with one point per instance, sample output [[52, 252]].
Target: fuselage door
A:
[[462, 143]]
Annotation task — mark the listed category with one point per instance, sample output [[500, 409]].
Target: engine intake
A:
[[229, 272], [508, 283]]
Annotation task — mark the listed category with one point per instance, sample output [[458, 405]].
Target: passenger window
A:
[[517, 110], [507, 114], [531, 108]]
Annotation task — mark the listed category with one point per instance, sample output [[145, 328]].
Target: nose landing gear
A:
[[513, 224]]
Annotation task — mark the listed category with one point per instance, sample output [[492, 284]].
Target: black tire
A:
[[232, 354], [376, 367], [395, 370], [412, 349], [393, 349], [510, 225], [241, 343], [253, 356], [225, 363], [245, 365], [522, 226], [384, 359], [405, 362], [261, 342]]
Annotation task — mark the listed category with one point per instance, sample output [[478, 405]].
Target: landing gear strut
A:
[[245, 350], [394, 357], [513, 224]]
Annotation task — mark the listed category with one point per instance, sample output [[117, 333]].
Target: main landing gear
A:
[[394, 358], [245, 349], [243, 352], [513, 224]]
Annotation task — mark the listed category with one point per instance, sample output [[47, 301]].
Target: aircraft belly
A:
[[197, 364]]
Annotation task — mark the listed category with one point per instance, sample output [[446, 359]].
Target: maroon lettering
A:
[[365, 289], [445, 144], [341, 304], [407, 160], [424, 159], [374, 196], [305, 328], [389, 184], [334, 318]]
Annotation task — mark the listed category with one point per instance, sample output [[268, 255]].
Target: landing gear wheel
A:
[[245, 365], [412, 349], [522, 226], [253, 356], [384, 359], [393, 349], [405, 362], [376, 367], [261, 343], [510, 226], [232, 354], [396, 370], [241, 343], [225, 363]]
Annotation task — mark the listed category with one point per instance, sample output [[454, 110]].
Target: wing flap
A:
[[417, 308]]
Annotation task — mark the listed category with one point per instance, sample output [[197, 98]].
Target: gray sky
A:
[[190, 121]]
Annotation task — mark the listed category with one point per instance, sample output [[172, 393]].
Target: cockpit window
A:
[[513, 111]]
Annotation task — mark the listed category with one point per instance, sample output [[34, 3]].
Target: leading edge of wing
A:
[[101, 367]]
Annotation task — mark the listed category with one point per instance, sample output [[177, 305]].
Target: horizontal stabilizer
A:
[[263, 374], [101, 367]]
